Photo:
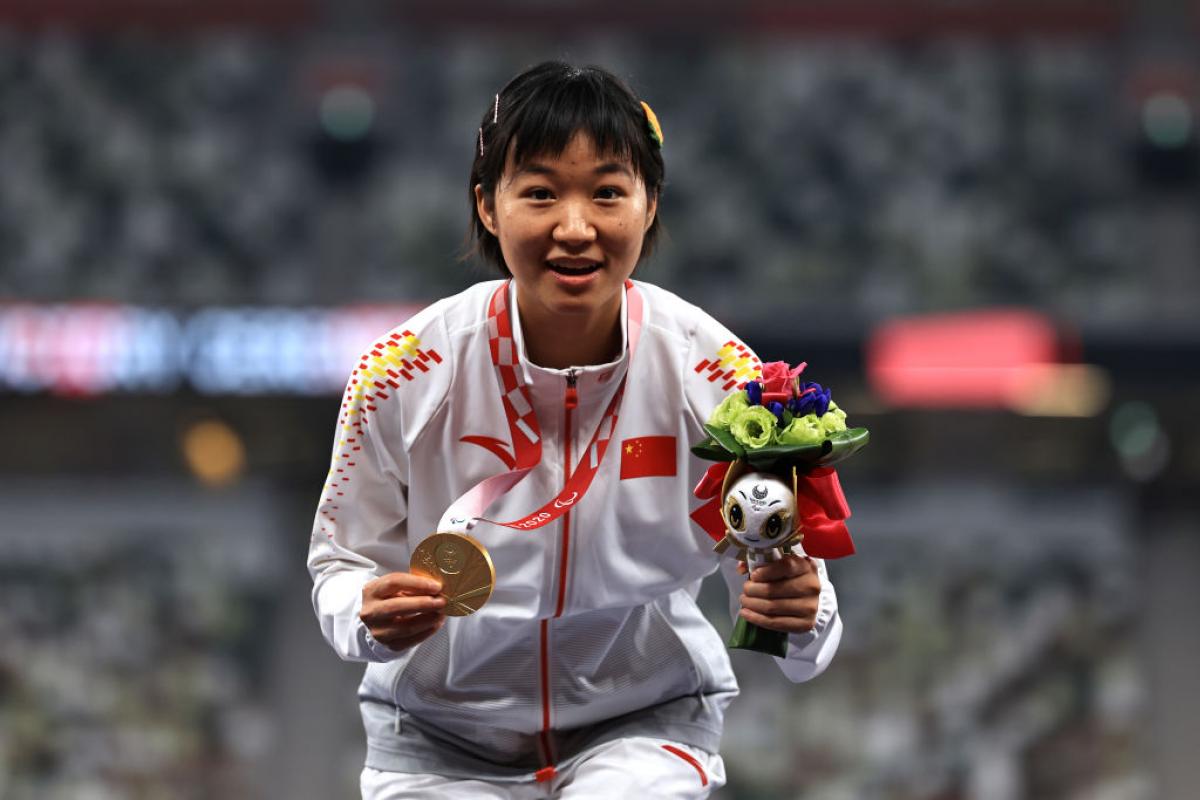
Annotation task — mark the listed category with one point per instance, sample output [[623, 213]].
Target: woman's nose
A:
[[573, 226]]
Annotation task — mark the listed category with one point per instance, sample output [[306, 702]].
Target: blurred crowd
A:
[[850, 176], [135, 656]]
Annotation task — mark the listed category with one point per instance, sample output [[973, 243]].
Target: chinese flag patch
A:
[[648, 457]]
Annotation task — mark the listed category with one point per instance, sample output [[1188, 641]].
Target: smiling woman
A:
[[565, 189], [571, 228], [590, 671], [539, 112]]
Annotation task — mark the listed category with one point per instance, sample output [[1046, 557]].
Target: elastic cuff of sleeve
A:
[[376, 650]]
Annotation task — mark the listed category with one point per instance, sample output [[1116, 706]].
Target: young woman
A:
[[589, 672]]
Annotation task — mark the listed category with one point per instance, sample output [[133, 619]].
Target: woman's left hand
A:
[[782, 595]]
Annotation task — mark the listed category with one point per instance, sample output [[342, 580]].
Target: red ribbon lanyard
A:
[[525, 433]]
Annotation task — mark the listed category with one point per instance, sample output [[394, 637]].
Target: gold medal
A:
[[462, 565]]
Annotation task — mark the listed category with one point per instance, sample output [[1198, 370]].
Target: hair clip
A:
[[481, 142], [496, 110], [652, 123]]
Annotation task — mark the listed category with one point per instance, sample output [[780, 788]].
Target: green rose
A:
[[733, 405], [834, 420], [753, 427], [803, 430]]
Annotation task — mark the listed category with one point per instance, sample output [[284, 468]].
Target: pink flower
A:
[[779, 380]]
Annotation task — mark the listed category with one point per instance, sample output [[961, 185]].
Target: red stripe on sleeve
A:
[[688, 757]]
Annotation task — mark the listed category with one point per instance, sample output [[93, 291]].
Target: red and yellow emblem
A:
[[734, 364]]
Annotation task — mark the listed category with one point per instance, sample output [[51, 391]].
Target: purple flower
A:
[[822, 402], [813, 399], [754, 392], [776, 408]]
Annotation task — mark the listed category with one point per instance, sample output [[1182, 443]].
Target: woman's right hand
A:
[[402, 609]]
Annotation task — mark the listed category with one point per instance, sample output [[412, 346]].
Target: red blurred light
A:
[[977, 359]]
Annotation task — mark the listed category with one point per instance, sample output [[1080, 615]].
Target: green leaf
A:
[[721, 446], [809, 451], [711, 450], [833, 450], [726, 440], [844, 444]]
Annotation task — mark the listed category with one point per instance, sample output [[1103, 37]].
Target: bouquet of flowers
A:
[[779, 422], [777, 491]]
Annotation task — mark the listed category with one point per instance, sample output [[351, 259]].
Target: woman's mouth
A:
[[573, 269]]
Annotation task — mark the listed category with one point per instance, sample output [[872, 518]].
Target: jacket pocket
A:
[[615, 661]]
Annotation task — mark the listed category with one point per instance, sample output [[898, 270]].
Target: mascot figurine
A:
[[760, 513], [774, 490]]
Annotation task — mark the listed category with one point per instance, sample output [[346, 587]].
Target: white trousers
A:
[[624, 768]]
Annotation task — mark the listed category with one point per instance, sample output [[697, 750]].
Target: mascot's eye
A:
[[737, 520], [773, 527]]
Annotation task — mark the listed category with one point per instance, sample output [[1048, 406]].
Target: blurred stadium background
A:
[[978, 221]]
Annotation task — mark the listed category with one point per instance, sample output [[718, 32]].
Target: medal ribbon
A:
[[525, 433]]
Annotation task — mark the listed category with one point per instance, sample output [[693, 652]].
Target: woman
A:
[[590, 672]]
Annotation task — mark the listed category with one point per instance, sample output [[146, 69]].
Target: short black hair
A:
[[538, 113]]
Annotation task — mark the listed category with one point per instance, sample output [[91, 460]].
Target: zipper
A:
[[571, 398], [570, 403]]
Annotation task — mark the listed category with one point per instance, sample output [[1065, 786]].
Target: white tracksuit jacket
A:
[[592, 631]]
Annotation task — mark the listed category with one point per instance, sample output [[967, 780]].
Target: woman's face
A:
[[570, 228]]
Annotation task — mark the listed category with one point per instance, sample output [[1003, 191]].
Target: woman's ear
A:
[[651, 210], [485, 206]]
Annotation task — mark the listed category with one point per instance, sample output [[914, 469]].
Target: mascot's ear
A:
[[736, 470]]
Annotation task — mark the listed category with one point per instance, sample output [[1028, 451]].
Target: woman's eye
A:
[[539, 194], [608, 193]]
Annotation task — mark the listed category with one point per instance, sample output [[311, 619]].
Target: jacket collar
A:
[[588, 377]]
